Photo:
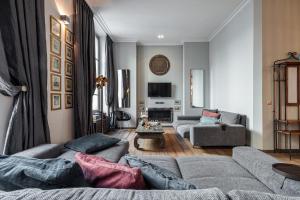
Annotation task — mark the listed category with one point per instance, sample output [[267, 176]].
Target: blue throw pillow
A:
[[209, 120], [157, 177], [92, 143], [22, 172]]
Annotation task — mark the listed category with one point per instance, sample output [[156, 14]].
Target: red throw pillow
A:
[[105, 174], [211, 114]]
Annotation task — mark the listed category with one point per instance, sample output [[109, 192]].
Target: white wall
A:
[[232, 68], [195, 56], [144, 75], [125, 54], [61, 122]]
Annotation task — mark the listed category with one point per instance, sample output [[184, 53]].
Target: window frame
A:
[[97, 63]]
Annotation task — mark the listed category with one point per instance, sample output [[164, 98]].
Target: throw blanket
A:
[[21, 172]]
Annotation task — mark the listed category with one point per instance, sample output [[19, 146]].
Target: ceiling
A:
[[178, 20]]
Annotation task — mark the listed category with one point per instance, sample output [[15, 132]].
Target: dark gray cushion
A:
[[157, 177], [21, 172], [112, 154], [218, 171], [42, 151], [113, 194], [230, 118], [189, 118], [92, 143], [253, 195]]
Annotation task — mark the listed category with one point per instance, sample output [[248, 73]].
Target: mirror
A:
[[124, 88], [197, 88]]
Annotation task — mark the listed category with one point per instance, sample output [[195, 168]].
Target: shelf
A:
[[288, 132], [289, 121]]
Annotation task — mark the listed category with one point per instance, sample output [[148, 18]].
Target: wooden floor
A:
[[177, 146]]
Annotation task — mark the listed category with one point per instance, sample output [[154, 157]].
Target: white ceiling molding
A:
[[158, 44], [100, 21], [236, 11]]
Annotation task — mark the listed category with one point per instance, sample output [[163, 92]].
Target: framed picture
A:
[[68, 84], [68, 68], [69, 37], [55, 45], [55, 101], [55, 27], [55, 81], [55, 64], [68, 101], [69, 52]]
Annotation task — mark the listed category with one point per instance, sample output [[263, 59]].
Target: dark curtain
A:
[[84, 68], [111, 99], [23, 72]]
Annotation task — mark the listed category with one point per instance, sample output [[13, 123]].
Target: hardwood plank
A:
[[178, 146]]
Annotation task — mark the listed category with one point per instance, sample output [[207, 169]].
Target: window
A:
[[96, 97]]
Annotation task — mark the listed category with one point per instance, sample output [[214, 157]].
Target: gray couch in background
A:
[[247, 175], [232, 132]]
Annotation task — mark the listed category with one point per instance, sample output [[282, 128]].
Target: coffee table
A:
[[287, 170], [156, 132]]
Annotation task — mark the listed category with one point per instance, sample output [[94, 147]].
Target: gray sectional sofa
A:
[[247, 175], [232, 131]]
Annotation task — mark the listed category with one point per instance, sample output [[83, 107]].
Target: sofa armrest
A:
[[42, 151], [259, 164], [185, 117]]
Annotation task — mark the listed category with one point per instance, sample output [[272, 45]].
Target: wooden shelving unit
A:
[[286, 100]]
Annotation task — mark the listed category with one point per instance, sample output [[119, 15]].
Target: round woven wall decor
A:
[[159, 65]]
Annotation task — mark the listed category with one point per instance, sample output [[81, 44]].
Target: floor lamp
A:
[[101, 82]]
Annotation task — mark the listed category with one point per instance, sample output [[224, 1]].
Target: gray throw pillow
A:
[[92, 143], [22, 172], [157, 177]]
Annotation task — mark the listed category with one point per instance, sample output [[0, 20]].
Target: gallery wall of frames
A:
[[58, 44]]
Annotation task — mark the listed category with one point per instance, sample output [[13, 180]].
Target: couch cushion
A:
[[210, 110], [230, 118], [92, 143], [260, 165], [112, 154], [105, 174], [158, 177], [113, 194], [253, 195], [21, 172], [42, 151], [209, 120], [166, 162], [206, 113], [178, 123], [217, 171]]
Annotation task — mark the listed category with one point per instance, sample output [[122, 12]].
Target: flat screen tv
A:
[[159, 89]]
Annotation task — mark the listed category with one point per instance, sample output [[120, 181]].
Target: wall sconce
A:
[[65, 19]]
